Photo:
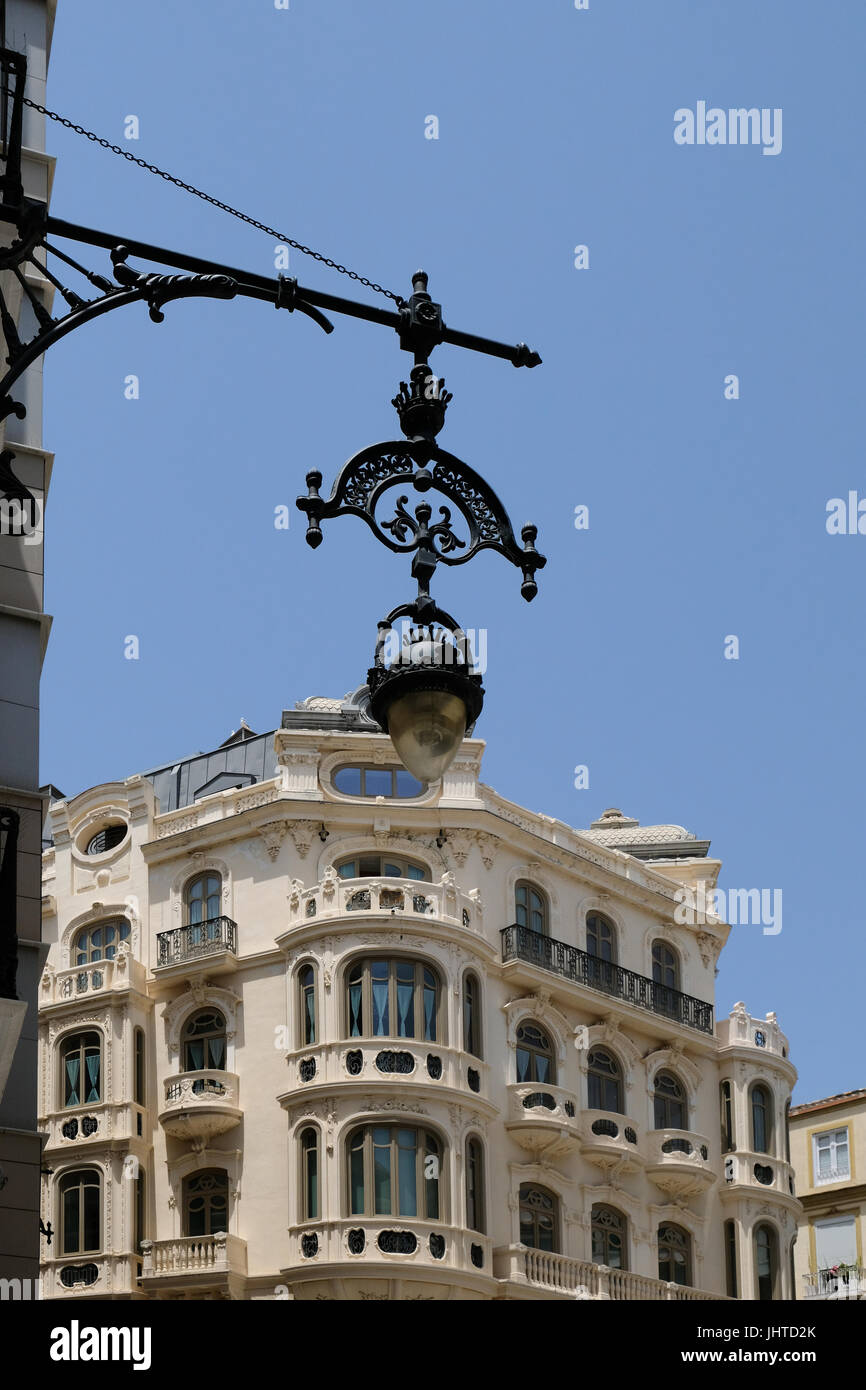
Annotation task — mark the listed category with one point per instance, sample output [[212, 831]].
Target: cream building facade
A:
[[310, 1030], [828, 1150]]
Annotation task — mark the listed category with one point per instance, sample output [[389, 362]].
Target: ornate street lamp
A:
[[426, 694]]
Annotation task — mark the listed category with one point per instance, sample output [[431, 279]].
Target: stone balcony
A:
[[190, 1264], [543, 1118], [536, 1273], [87, 1126], [759, 1173], [200, 1104], [612, 1142], [389, 1063], [369, 1249], [411, 899], [101, 977], [678, 1162], [89, 1276]]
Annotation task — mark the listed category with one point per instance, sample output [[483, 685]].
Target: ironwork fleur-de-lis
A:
[[403, 523]]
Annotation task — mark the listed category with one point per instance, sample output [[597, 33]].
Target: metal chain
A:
[[215, 202]]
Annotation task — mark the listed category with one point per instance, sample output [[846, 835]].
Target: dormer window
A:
[[369, 781]]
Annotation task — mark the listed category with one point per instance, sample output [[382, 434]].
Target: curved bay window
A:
[[530, 907], [204, 1041], [539, 1217], [394, 1170], [604, 1081], [310, 1175], [600, 938], [675, 1255], [474, 1185], [471, 1015], [206, 1202], [761, 1104], [382, 866], [767, 1263], [535, 1057], [609, 1237], [307, 1004], [392, 998], [81, 1069], [99, 942], [669, 1102], [80, 1203]]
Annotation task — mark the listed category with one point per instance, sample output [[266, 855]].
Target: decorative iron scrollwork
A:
[[359, 901], [356, 1241], [401, 1062], [539, 1099], [569, 1109], [354, 1062], [397, 1242], [307, 1068], [89, 1125], [605, 1127], [630, 1135], [474, 1079], [434, 1066], [476, 1255], [309, 1245], [437, 1245], [70, 1129]]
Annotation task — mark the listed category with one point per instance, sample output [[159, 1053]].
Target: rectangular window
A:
[[727, 1117], [378, 782], [379, 985], [836, 1242], [830, 1156], [139, 1066], [382, 1171], [731, 1258], [406, 1172], [405, 999], [140, 1229]]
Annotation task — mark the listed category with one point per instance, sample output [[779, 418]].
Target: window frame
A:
[[218, 1032], [64, 1185], [363, 795], [600, 1078], [307, 1034], [727, 1117], [475, 1194], [686, 1244], [422, 1150], [761, 1088], [659, 946], [817, 1180], [526, 885], [524, 1205], [122, 929], [311, 1173], [729, 1236], [64, 1047], [139, 1067], [665, 1100], [611, 938], [363, 965], [471, 1014], [772, 1290], [187, 1196], [534, 1052], [206, 896], [598, 1227], [395, 860]]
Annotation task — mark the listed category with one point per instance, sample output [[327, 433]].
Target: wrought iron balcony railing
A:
[[198, 939], [520, 943]]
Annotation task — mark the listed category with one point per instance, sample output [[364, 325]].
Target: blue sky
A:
[[707, 515]]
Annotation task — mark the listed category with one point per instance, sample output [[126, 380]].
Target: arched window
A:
[[81, 1069], [474, 1185], [675, 1255], [99, 941], [307, 1005], [310, 1175], [392, 998], [471, 1015], [530, 907], [203, 903], [204, 1042], [604, 1081], [609, 1238], [600, 937], [535, 1056], [80, 1209], [108, 838], [206, 1202], [666, 966], [382, 866], [394, 1170], [539, 1217], [669, 1102], [762, 1118], [766, 1262], [726, 1105]]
